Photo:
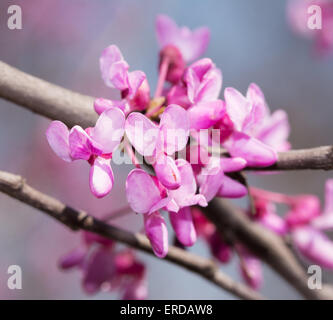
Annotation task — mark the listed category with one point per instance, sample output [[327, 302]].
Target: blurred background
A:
[[61, 42]]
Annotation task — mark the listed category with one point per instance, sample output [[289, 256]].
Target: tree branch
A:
[[72, 108], [314, 159], [266, 245], [46, 99], [16, 187]]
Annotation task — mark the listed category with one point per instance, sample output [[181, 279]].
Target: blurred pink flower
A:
[[251, 268], [103, 267], [298, 17], [178, 46]]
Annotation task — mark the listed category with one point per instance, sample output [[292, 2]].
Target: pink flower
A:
[[94, 145], [177, 94], [303, 221], [160, 142], [219, 248], [102, 267], [257, 135], [181, 200], [203, 226], [179, 45], [191, 44], [308, 236], [133, 85], [147, 196], [303, 209], [213, 181], [266, 215], [298, 17], [325, 220], [314, 245], [204, 81], [250, 268], [185, 195]]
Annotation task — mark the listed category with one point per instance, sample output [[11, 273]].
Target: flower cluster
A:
[[175, 132], [304, 221], [104, 268]]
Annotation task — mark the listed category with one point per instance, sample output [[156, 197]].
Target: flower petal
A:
[[194, 75], [220, 250], [191, 44], [259, 108], [205, 115], [185, 195], [183, 225], [57, 136], [174, 129], [80, 144], [210, 86], [304, 209], [166, 30], [157, 233], [162, 204], [114, 68], [142, 133], [275, 131], [141, 190], [137, 289], [314, 245], [73, 259], [212, 179], [237, 106], [231, 189], [101, 177], [233, 164], [98, 269], [135, 80], [188, 186], [273, 222], [167, 172], [256, 153], [251, 269], [109, 129], [101, 104]]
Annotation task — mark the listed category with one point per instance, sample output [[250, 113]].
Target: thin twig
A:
[[16, 187]]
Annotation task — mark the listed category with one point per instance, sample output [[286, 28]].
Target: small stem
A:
[[160, 84], [161, 77], [117, 213], [270, 196], [130, 152]]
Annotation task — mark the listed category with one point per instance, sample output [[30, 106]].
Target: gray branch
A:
[[16, 187], [72, 108]]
